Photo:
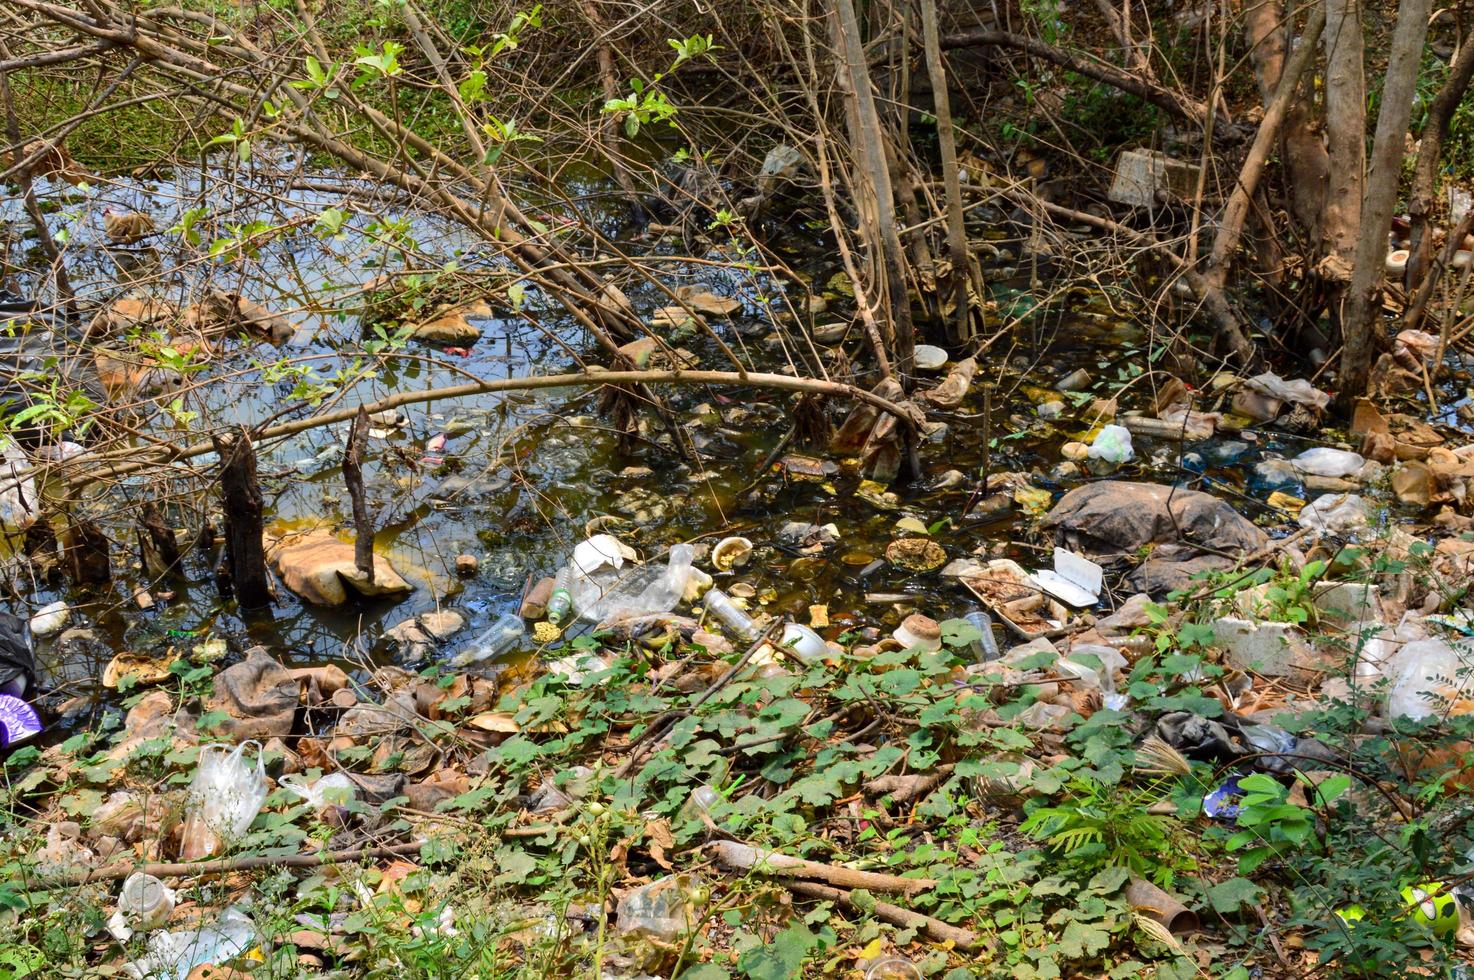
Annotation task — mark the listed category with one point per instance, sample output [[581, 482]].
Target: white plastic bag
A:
[[1338, 513], [18, 505], [1430, 679], [335, 789], [1112, 445], [1324, 461], [224, 797]]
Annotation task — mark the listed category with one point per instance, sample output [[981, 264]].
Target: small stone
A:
[[819, 616], [1075, 451], [466, 565], [143, 599]]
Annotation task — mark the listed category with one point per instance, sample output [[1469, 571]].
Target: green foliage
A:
[[1097, 827]]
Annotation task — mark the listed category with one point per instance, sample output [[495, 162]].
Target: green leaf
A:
[[1234, 894], [1081, 939], [780, 959]]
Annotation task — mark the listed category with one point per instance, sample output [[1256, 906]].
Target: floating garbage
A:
[[804, 642], [1337, 513], [918, 631], [505, 634], [1075, 580], [334, 789], [1324, 461], [892, 968], [1112, 444], [1429, 680], [985, 647], [720, 605], [665, 909], [1221, 803], [50, 618], [730, 553], [929, 358]]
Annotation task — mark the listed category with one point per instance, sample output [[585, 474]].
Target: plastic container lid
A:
[[18, 721], [804, 642]]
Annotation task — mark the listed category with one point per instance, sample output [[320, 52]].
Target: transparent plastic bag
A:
[[224, 797], [1324, 461], [1431, 679], [173, 955], [335, 789]]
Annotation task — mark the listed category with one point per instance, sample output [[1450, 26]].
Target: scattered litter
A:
[[1074, 580]]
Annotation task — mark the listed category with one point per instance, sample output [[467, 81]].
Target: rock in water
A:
[[320, 568], [126, 227], [259, 695], [1115, 516]]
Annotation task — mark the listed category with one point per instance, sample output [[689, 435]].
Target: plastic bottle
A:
[[725, 610], [701, 800], [985, 647], [144, 903], [892, 968], [665, 592], [501, 637], [560, 603]]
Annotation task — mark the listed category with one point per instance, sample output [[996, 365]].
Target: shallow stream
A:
[[521, 476]]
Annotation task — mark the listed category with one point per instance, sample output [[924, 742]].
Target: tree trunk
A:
[[957, 277], [87, 554], [157, 542], [1268, 28], [1231, 227], [1362, 309], [245, 553], [1346, 127], [363, 525], [877, 206], [1430, 150]]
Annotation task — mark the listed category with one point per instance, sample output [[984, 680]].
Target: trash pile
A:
[[1139, 709]]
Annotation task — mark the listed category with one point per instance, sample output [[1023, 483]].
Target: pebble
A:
[[466, 565]]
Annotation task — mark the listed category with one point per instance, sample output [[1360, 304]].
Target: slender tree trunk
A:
[[87, 548], [157, 542], [363, 525], [1430, 151], [1268, 28], [1346, 127], [245, 552], [1231, 227], [609, 125], [874, 185], [957, 277], [1362, 309]]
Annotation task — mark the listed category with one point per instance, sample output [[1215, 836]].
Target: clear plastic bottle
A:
[[701, 800], [720, 605], [985, 647], [501, 637], [665, 592], [560, 603]]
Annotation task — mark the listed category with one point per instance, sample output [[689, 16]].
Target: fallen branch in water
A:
[[87, 470]]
